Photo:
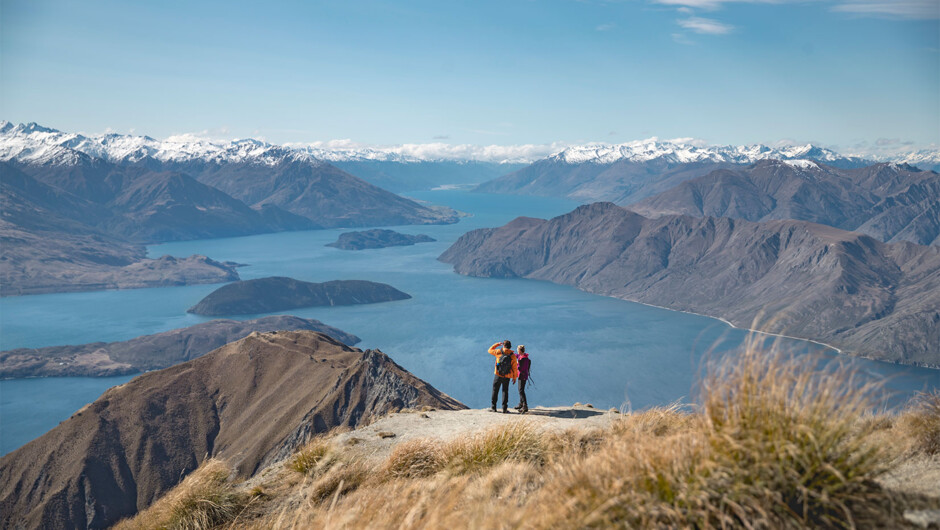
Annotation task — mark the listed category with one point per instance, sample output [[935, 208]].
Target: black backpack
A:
[[504, 364]]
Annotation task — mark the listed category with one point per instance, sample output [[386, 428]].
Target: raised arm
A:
[[496, 348]]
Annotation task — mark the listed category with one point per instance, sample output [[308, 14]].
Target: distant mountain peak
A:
[[682, 151], [17, 142]]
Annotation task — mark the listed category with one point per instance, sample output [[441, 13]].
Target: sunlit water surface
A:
[[587, 348]]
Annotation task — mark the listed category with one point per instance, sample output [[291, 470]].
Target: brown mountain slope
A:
[[889, 202], [149, 352], [807, 280], [47, 248], [250, 402]]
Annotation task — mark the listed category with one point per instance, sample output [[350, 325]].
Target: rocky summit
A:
[[251, 402]]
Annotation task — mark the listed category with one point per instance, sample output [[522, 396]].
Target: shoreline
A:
[[752, 330]]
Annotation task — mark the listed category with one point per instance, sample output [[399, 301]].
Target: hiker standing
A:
[[524, 364], [507, 368]]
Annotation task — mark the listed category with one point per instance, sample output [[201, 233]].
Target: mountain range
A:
[[627, 173], [879, 300], [252, 402], [76, 209], [890, 202]]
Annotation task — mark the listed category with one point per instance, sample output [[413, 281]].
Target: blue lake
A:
[[584, 347]]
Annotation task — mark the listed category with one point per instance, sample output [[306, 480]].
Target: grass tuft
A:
[[311, 454], [205, 499], [513, 442], [922, 422], [416, 458]]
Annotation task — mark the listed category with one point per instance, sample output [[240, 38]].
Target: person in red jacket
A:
[[507, 368], [524, 365]]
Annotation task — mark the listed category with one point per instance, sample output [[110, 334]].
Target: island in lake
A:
[[149, 352], [278, 293], [377, 238]]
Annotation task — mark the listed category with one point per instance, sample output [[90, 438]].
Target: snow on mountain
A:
[[34, 143], [682, 151]]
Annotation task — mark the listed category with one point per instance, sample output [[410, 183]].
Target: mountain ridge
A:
[[881, 300], [252, 402]]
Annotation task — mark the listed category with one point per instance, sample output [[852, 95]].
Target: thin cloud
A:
[[681, 38], [715, 4], [705, 26], [917, 9], [605, 27], [911, 9]]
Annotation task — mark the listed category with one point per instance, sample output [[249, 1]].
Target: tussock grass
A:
[[414, 459], [922, 422], [340, 479], [514, 442], [774, 442], [205, 499], [311, 454]]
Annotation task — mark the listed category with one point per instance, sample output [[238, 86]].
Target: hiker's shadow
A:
[[566, 413]]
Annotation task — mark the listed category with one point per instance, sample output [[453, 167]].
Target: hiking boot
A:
[[517, 407], [525, 410], [492, 409], [505, 411]]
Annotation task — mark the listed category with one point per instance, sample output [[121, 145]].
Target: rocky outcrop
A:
[[377, 238], [277, 293], [791, 277], [889, 202], [249, 402], [149, 352]]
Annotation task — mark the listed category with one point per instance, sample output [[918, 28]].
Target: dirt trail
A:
[[375, 440]]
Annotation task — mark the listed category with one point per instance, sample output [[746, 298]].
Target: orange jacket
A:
[[496, 350]]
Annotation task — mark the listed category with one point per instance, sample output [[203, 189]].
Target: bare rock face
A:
[[803, 279], [377, 238], [277, 293], [250, 402], [149, 352]]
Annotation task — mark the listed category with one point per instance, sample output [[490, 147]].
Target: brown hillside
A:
[[250, 402]]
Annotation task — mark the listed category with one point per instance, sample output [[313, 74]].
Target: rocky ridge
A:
[[251, 402], [149, 352], [795, 278], [890, 202]]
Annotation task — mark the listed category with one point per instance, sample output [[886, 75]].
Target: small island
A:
[[377, 238], [277, 293]]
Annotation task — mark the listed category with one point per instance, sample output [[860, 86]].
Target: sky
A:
[[856, 75]]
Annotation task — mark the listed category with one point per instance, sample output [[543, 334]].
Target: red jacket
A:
[[496, 350]]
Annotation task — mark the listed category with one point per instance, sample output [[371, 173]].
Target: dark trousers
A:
[[522, 401], [504, 383]]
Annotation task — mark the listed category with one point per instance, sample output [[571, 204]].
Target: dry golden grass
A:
[[514, 442], [773, 443], [922, 423], [311, 454], [205, 499]]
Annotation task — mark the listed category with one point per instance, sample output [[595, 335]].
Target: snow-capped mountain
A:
[[681, 152], [34, 144]]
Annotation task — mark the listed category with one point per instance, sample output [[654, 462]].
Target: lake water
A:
[[584, 347]]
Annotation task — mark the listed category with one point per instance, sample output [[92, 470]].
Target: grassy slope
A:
[[776, 447]]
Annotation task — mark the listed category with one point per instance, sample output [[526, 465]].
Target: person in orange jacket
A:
[[507, 368]]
